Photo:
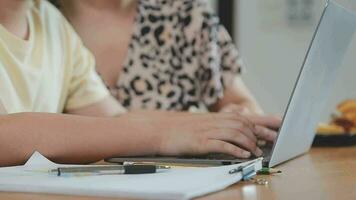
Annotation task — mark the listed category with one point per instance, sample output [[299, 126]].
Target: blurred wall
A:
[[213, 4], [273, 37]]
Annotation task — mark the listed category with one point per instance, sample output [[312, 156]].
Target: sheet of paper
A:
[[180, 183]]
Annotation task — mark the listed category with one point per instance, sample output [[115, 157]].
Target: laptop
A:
[[323, 60]]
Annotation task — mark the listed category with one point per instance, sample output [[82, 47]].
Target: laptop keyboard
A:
[[220, 156], [212, 156]]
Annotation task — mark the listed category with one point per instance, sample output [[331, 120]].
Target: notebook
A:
[[177, 183]]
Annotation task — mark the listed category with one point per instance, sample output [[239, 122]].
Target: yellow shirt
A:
[[50, 72]]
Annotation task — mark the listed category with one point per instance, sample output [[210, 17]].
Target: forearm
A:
[[238, 93], [108, 107], [69, 139]]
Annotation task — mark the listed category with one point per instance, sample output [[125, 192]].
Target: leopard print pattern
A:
[[179, 57]]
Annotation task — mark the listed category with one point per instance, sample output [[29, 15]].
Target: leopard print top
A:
[[179, 57]]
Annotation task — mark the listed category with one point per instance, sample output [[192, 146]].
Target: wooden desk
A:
[[323, 173]]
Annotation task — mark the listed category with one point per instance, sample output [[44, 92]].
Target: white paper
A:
[[177, 183]]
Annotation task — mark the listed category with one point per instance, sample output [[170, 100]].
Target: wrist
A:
[[140, 134]]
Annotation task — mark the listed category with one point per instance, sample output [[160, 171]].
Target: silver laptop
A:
[[330, 42]]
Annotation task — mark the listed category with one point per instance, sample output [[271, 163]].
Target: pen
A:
[[268, 171], [108, 170]]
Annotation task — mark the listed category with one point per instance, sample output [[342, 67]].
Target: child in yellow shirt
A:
[[45, 70]]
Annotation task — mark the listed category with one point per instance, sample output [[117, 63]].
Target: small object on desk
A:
[[268, 171], [248, 171], [109, 170], [261, 181]]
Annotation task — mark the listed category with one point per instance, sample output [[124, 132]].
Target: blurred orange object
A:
[[344, 122], [327, 129]]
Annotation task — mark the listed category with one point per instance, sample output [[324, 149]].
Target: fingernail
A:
[[246, 154], [273, 136], [258, 152], [261, 143]]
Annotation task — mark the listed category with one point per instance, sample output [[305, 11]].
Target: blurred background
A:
[[273, 37]]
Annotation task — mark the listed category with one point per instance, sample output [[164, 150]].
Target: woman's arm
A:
[[237, 97]]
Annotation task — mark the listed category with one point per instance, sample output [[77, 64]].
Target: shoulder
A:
[[52, 21], [46, 10], [56, 30], [51, 18]]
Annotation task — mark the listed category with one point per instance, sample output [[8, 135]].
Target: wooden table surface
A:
[[323, 173]]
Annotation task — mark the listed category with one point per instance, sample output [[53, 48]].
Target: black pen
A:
[[108, 170]]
